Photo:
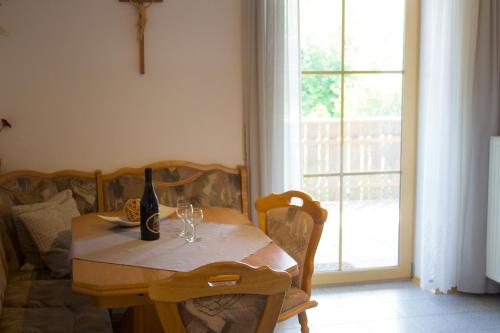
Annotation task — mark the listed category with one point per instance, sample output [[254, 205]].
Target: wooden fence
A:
[[370, 145]]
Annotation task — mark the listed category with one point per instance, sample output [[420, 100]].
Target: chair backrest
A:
[[206, 185], [294, 227], [225, 296]]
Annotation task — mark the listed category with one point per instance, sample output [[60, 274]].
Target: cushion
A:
[[294, 297], [24, 189], [54, 320], [290, 228], [224, 313], [26, 242], [49, 225], [45, 293]]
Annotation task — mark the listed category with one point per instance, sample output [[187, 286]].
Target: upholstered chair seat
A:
[[294, 297]]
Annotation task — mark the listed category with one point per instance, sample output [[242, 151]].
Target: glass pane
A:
[[327, 190], [370, 224], [372, 122], [320, 34], [374, 34], [321, 123]]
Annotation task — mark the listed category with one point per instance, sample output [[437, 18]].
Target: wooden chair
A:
[[297, 230], [220, 296]]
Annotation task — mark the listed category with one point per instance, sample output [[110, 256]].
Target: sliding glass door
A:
[[358, 60]]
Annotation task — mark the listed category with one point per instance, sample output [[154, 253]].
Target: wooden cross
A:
[[141, 25]]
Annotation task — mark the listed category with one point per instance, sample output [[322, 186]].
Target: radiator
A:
[[493, 230]]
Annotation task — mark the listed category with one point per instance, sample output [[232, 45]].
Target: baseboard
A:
[[415, 279]]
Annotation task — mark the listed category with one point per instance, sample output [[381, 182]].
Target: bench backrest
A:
[[207, 185]]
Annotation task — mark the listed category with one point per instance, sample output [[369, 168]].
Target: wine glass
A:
[[184, 210], [195, 218]]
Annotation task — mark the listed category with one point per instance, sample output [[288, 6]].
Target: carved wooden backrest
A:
[[295, 228], [204, 185], [28, 187], [207, 185], [220, 296]]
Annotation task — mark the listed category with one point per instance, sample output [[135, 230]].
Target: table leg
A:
[[141, 319]]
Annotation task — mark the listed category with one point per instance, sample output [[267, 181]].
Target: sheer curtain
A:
[[458, 111], [272, 96]]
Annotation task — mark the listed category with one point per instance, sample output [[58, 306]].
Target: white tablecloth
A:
[[219, 242]]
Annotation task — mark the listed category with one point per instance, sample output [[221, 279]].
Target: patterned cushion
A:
[[224, 313], [53, 320], [24, 190], [291, 229], [26, 241], [294, 297], [49, 225], [48, 293], [207, 188]]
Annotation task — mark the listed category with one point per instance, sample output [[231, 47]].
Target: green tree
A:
[[367, 95], [320, 93]]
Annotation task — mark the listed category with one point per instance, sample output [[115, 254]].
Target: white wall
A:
[[70, 84]]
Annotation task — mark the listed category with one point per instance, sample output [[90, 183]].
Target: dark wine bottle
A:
[[150, 210]]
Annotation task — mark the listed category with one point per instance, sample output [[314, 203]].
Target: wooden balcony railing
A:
[[371, 155]]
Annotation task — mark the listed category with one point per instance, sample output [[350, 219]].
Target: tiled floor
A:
[[397, 307]]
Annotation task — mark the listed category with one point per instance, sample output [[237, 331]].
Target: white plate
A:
[[122, 221]]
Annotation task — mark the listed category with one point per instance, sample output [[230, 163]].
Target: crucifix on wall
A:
[[141, 6]]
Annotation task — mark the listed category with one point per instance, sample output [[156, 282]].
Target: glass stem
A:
[[184, 220]]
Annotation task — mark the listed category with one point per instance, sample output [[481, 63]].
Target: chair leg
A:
[[303, 322]]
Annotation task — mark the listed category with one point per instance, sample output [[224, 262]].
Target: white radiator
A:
[[493, 231]]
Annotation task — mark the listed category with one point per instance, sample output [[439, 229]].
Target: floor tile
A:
[[440, 304], [399, 307], [289, 323], [382, 326], [352, 313], [458, 322]]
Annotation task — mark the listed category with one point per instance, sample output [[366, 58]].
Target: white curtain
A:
[[458, 111], [272, 96]]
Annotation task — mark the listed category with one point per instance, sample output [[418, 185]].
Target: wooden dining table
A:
[[124, 286]]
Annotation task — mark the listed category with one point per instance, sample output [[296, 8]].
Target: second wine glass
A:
[[184, 211], [193, 221]]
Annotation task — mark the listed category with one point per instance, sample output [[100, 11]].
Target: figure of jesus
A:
[[143, 19]]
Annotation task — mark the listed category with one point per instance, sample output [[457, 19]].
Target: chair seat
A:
[[294, 297], [53, 320]]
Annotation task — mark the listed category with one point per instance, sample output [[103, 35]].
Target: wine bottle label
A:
[[153, 223]]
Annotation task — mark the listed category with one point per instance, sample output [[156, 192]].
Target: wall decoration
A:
[[3, 32], [141, 25]]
